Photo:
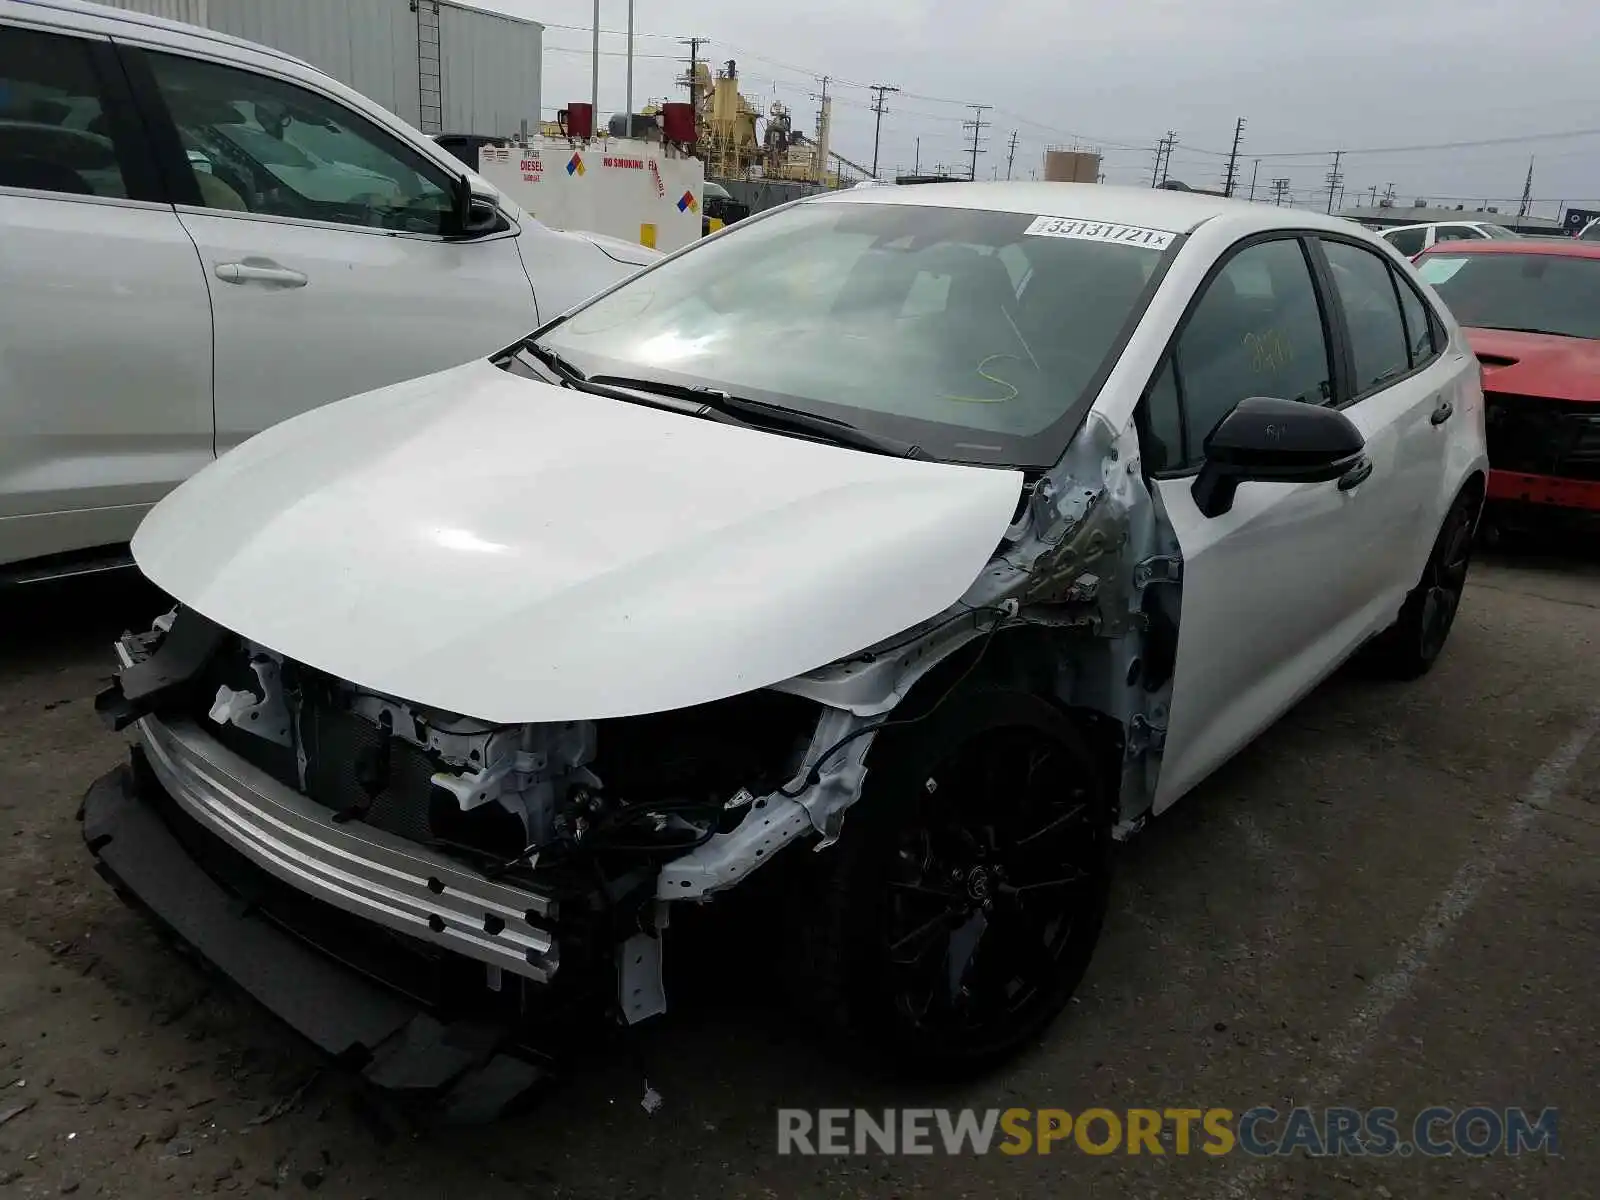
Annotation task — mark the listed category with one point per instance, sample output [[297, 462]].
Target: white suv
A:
[[199, 237], [1412, 240]]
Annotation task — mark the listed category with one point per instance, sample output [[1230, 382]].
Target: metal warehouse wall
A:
[[488, 65], [371, 45], [192, 11]]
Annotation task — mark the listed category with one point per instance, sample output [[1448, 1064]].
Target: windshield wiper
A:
[[760, 413], [553, 360]]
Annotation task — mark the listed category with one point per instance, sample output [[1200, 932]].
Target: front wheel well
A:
[[1026, 660]]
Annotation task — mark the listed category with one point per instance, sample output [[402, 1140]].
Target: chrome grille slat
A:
[[355, 867]]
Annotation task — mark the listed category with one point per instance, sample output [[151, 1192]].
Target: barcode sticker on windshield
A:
[[1099, 231]]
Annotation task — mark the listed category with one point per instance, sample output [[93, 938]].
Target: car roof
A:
[[1435, 224], [1561, 247], [67, 9], [1154, 208]]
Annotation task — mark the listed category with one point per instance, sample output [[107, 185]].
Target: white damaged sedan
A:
[[918, 541]]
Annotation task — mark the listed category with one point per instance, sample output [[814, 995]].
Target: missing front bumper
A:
[[389, 1037], [353, 867]]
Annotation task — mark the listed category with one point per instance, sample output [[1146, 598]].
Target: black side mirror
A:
[[471, 215], [1278, 441]]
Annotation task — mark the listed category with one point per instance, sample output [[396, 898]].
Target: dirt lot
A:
[[1393, 899]]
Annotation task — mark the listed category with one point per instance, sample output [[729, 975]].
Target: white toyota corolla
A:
[[942, 533]]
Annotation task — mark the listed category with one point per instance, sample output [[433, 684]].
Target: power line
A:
[[609, 53], [1467, 145]]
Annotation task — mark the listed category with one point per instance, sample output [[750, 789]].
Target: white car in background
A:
[[200, 237], [1412, 240], [947, 531]]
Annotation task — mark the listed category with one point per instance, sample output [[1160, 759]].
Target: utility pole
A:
[[1373, 191], [630, 68], [1334, 178], [1253, 171], [976, 125], [916, 166], [824, 128], [1233, 159], [1527, 192], [879, 90], [594, 76], [1280, 190], [1388, 194], [1011, 153], [694, 44], [1163, 152]]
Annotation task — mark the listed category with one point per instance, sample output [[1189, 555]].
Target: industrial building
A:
[[441, 66], [1071, 165]]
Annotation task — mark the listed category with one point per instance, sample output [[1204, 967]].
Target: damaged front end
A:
[[517, 873], [504, 877]]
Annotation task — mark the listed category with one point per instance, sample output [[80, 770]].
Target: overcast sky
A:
[[1308, 76]]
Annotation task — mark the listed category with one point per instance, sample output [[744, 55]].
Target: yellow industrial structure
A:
[[734, 146]]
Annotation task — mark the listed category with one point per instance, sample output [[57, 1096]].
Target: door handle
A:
[[1356, 475], [259, 272], [1442, 413]]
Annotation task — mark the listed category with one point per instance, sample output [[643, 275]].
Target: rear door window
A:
[[1420, 328], [1366, 289]]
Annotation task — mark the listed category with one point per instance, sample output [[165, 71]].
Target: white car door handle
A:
[[255, 272]]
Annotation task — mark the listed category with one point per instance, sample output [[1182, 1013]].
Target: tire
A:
[[1409, 648], [1024, 818]]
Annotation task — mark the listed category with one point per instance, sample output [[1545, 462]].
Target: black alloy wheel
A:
[[1411, 646], [970, 885]]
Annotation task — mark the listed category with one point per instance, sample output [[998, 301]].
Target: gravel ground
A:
[[1392, 899]]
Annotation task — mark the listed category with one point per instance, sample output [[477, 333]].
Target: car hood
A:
[[1538, 364], [623, 251], [509, 550]]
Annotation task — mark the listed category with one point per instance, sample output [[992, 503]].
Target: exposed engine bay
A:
[[508, 796]]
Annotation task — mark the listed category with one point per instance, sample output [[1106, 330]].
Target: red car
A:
[[1531, 310]]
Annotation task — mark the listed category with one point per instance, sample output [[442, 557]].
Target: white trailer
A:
[[636, 190]]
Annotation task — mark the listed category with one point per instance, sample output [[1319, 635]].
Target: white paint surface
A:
[[498, 547]]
